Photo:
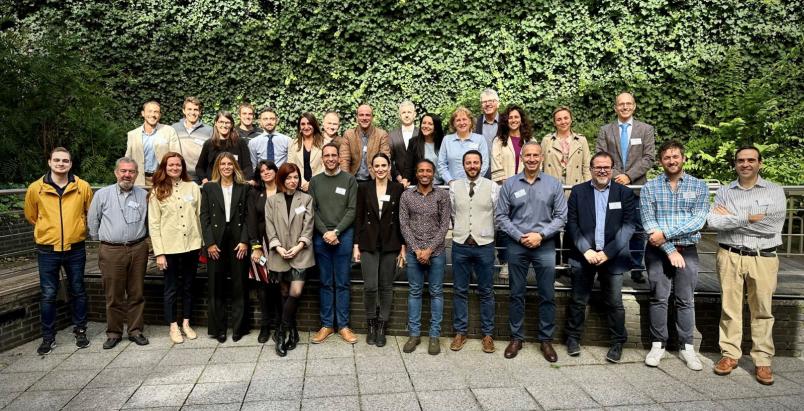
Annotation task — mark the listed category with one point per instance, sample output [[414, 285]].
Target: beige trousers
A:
[[758, 275]]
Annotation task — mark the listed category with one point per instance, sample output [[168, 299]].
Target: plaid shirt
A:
[[679, 214]]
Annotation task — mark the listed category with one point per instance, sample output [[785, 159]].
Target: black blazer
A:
[[398, 150], [213, 213], [620, 224], [255, 220], [368, 224], [414, 154]]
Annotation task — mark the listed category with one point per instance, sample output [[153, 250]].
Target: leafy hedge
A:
[[688, 62]]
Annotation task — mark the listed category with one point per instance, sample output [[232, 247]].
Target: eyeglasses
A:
[[61, 160], [625, 104], [488, 102], [600, 169], [224, 123]]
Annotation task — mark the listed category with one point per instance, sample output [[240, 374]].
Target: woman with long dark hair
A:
[[174, 208], [424, 146], [289, 230], [513, 131], [224, 140], [223, 221], [306, 152]]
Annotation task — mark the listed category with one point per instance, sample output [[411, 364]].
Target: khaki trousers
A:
[[758, 275], [123, 272]]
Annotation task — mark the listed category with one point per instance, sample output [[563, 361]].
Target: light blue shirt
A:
[[450, 155], [117, 216], [601, 205], [148, 148], [524, 208], [258, 147]]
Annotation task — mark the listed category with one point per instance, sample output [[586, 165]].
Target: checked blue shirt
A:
[[679, 214]]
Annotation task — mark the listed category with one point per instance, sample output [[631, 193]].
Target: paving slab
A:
[[452, 399], [187, 356], [330, 366], [235, 406], [340, 403], [271, 370], [174, 374], [330, 385], [227, 372], [137, 358], [384, 383], [753, 404], [8, 397], [438, 381], [106, 398], [33, 363], [693, 406], [401, 401], [561, 396], [609, 395], [229, 355], [41, 400], [83, 360], [504, 399], [218, 393], [372, 365], [269, 354], [333, 347], [274, 405], [64, 380], [271, 390], [120, 377], [159, 396], [18, 381]]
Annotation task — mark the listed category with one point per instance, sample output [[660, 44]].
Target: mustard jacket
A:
[[60, 222], [174, 223]]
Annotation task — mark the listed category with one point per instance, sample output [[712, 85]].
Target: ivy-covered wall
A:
[[681, 58]]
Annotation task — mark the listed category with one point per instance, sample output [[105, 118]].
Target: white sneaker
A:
[[504, 272], [688, 356], [655, 355]]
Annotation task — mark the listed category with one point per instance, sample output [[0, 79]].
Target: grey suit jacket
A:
[[399, 151], [287, 231], [640, 156]]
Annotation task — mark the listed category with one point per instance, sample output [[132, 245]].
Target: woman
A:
[[565, 153], [223, 220], [424, 145], [450, 156], [514, 130], [174, 206], [378, 244], [306, 152], [224, 140], [289, 230], [267, 287]]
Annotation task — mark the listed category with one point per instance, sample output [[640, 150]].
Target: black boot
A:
[[279, 337], [265, 333], [380, 333], [293, 338], [371, 338]]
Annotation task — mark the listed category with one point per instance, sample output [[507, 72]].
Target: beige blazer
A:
[[166, 140], [296, 156], [502, 160], [174, 222], [287, 231], [577, 165]]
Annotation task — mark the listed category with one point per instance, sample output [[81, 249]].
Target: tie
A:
[[269, 151], [472, 189], [624, 142]]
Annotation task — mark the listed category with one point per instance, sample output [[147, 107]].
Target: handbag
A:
[[259, 272]]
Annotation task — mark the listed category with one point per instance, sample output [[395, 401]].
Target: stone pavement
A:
[[203, 374]]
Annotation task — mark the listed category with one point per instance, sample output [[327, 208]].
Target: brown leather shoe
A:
[[764, 375], [725, 365], [548, 352], [488, 344], [513, 348], [348, 335], [322, 335], [457, 342]]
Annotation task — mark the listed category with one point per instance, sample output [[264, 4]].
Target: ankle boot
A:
[[293, 338], [280, 335], [380, 333], [265, 333], [371, 338]]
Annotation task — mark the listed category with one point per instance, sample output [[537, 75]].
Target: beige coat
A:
[[577, 170], [296, 156], [286, 232], [502, 160], [174, 223], [166, 140]]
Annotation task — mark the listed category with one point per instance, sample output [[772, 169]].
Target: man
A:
[[57, 205], [269, 145], [148, 143], [192, 132], [632, 145], [532, 210], [118, 217], [487, 122], [335, 199], [748, 215], [598, 238], [674, 206], [472, 200], [400, 137], [361, 143], [245, 126], [424, 214], [330, 125]]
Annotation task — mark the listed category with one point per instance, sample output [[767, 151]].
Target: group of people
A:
[[262, 209]]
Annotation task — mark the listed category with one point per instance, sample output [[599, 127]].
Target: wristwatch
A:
[[336, 232]]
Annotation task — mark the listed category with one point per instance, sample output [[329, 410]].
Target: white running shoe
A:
[[655, 355], [689, 357]]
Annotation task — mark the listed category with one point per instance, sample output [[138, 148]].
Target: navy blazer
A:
[[620, 224]]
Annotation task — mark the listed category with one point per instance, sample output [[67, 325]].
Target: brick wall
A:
[[17, 330]]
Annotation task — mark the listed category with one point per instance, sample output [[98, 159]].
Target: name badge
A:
[[519, 193], [615, 206], [133, 204], [386, 197], [688, 195], [763, 202], [188, 198], [300, 210], [199, 141], [340, 190], [636, 141], [237, 158], [365, 149], [474, 146]]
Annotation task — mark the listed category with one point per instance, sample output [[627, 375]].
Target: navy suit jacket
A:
[[619, 225]]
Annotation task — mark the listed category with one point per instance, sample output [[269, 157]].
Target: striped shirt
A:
[[117, 216], [735, 229], [679, 214]]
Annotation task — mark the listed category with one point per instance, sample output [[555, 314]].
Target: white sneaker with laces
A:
[[655, 355], [504, 271], [689, 357]]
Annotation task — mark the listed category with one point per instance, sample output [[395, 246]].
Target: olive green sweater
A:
[[334, 201]]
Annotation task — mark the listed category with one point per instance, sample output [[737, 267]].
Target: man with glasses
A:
[[487, 122], [149, 142], [270, 145], [598, 238], [631, 143]]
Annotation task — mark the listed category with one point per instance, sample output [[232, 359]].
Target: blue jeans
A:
[[543, 259], [465, 259], [435, 280], [335, 265], [664, 278], [501, 244], [50, 262], [637, 242], [611, 285]]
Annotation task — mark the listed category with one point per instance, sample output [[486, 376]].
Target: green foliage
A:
[[686, 61]]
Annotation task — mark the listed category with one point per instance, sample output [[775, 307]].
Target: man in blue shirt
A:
[[532, 210], [674, 207], [270, 145]]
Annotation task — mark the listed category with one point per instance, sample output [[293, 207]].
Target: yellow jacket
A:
[[60, 222], [174, 222]]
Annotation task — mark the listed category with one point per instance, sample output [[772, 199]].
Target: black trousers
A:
[[227, 266]]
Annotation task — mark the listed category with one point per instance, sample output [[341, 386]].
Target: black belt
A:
[[49, 247], [127, 244], [767, 252]]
